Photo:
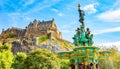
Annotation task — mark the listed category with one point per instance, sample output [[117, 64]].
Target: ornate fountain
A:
[[84, 55]]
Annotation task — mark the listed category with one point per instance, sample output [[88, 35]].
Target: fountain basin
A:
[[104, 54], [81, 52]]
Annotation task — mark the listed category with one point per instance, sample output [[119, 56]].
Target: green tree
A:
[[6, 56], [64, 64], [115, 57], [41, 59], [106, 64], [18, 60], [113, 62]]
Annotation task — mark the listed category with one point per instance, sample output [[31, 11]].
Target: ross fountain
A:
[[84, 55]]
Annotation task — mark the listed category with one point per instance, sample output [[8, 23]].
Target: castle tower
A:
[[35, 23], [53, 24]]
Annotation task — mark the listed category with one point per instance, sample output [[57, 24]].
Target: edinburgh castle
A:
[[25, 40], [34, 29]]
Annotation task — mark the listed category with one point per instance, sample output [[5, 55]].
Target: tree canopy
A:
[[41, 59], [6, 56]]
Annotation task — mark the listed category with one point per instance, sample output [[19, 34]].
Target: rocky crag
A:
[[25, 40]]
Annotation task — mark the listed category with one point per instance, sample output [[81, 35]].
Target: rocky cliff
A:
[[52, 45], [25, 40]]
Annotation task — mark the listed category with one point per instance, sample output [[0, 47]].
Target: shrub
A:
[[11, 35], [42, 38]]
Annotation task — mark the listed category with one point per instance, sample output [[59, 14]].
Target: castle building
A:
[[35, 29]]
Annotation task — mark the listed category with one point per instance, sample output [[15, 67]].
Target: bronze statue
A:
[[89, 36], [81, 15]]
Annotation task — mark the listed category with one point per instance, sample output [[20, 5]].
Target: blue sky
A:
[[102, 16]]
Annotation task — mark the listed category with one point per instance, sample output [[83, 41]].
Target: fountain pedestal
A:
[[84, 55]]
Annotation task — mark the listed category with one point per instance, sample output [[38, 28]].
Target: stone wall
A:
[[18, 33]]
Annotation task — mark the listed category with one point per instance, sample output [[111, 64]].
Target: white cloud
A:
[[14, 14], [55, 10], [116, 29], [113, 14], [110, 45], [29, 2], [60, 14], [90, 8], [27, 18], [116, 5], [42, 5], [110, 16]]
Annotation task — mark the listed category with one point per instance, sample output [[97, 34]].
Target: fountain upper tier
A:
[[82, 37]]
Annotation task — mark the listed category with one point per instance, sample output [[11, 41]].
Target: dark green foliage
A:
[[18, 60], [11, 35], [5, 47], [41, 59]]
